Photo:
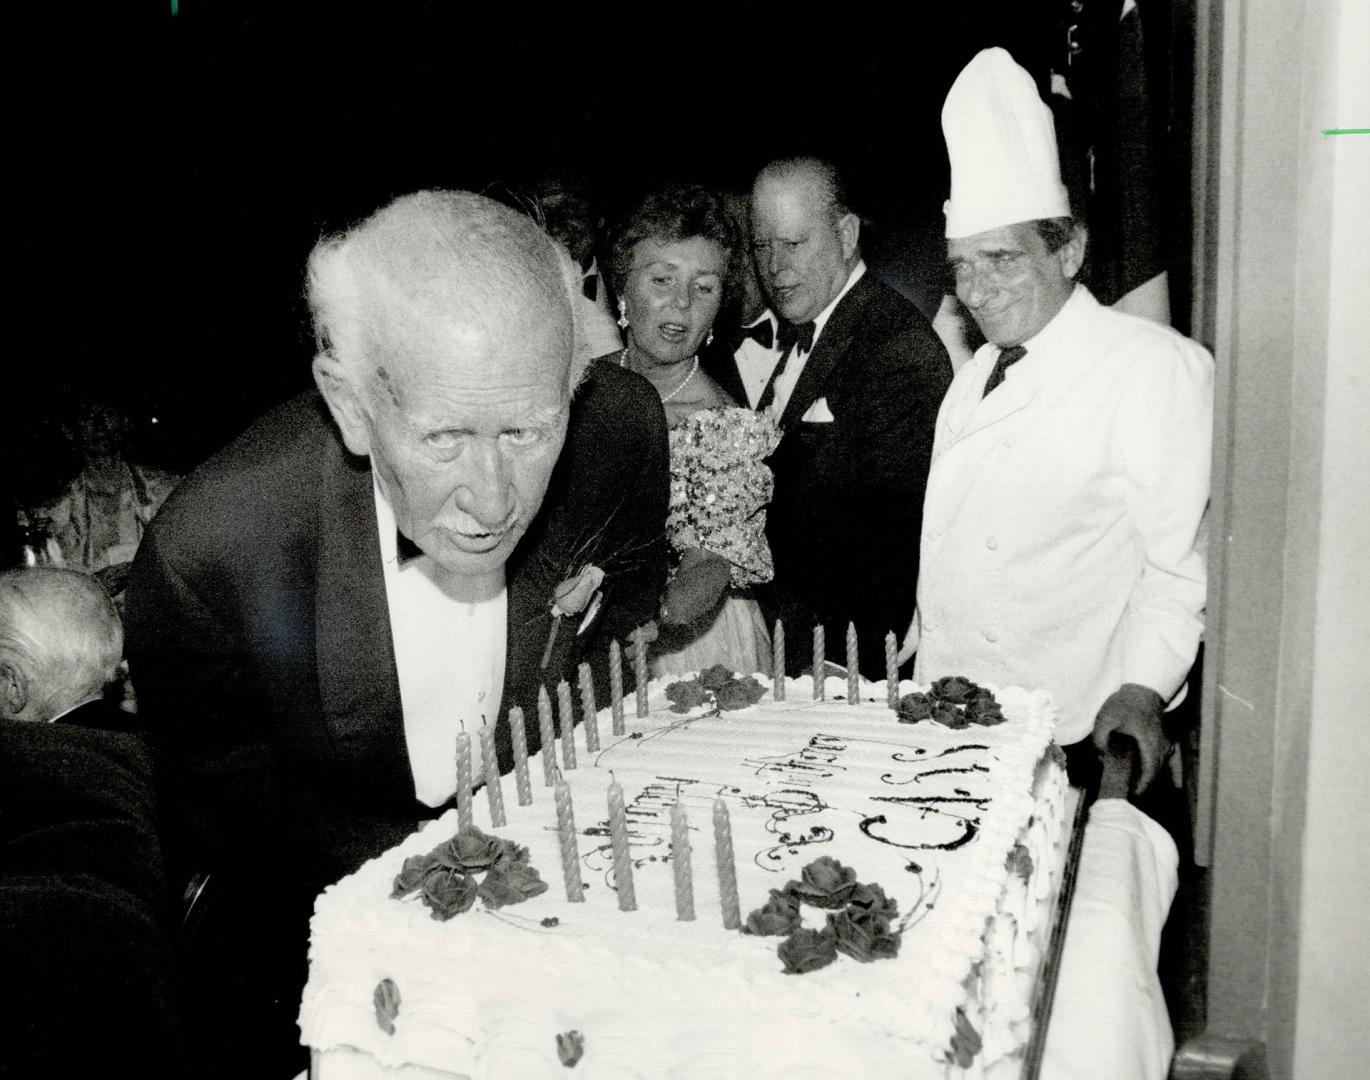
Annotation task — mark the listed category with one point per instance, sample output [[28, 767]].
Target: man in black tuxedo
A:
[[456, 518], [82, 907], [856, 390], [744, 351]]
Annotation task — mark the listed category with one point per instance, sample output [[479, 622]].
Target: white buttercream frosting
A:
[[485, 994]]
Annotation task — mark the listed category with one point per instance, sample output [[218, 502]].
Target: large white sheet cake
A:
[[939, 818]]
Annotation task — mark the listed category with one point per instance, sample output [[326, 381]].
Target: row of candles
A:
[[618, 828]]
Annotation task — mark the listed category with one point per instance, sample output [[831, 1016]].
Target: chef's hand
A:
[[1135, 711], [695, 591]]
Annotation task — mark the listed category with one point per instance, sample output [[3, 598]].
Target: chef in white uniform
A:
[[1062, 540]]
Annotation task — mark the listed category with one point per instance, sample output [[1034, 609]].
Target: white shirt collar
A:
[[1046, 338], [858, 272], [385, 522]]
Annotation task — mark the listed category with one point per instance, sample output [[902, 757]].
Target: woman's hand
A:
[[697, 588]]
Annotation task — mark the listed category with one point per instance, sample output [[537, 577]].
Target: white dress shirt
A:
[[449, 654], [754, 362], [784, 385]]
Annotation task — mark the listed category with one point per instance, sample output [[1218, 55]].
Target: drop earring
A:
[[710, 339], [623, 314]]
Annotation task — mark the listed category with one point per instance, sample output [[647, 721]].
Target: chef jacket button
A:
[[991, 636], [992, 542]]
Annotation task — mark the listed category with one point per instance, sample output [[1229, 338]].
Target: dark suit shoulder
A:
[[880, 311], [260, 488], [612, 396]]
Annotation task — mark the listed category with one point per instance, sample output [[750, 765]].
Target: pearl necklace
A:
[[694, 366]]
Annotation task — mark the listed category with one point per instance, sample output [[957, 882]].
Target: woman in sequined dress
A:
[[669, 264]]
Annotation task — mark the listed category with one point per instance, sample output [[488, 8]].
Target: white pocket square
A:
[[818, 413]]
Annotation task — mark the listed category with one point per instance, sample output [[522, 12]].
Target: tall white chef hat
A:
[[1002, 145]]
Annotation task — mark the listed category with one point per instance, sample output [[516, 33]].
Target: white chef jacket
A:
[[1062, 537]]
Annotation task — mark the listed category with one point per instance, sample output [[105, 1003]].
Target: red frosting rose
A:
[[448, 892], [779, 915], [913, 708], [808, 950], [825, 883]]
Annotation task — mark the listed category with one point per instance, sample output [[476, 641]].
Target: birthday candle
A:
[[616, 685], [640, 670], [463, 780], [778, 662], [491, 766], [568, 725], [891, 670], [588, 710], [680, 858], [549, 745], [819, 655], [727, 871], [520, 740], [566, 833], [618, 839], [853, 667]]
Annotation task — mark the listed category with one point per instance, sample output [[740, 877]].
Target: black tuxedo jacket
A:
[[719, 363], [259, 640], [82, 916], [845, 520]]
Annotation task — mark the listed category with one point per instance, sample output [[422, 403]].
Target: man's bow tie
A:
[[405, 549], [792, 334], [763, 333]]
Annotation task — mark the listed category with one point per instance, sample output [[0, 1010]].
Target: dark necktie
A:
[[763, 333], [1008, 356], [790, 338]]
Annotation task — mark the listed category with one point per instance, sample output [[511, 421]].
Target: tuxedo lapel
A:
[[719, 363], [358, 683], [530, 622], [832, 345]]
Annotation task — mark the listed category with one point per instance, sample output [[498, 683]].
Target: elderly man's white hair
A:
[[430, 260], [61, 642]]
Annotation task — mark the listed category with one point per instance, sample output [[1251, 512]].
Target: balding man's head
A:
[[446, 331], [412, 279], [805, 238], [61, 642]]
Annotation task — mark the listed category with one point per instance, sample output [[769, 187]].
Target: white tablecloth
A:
[[1109, 1018]]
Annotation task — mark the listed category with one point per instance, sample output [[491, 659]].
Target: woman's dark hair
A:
[[671, 213]]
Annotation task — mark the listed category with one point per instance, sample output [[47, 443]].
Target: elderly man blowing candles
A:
[[459, 515], [1062, 539]]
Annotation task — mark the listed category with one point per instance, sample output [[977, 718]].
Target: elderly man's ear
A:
[[344, 403], [14, 690]]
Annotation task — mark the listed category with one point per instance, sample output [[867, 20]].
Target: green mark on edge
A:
[[1346, 131]]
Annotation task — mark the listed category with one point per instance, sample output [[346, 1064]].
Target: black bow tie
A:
[[792, 334], [763, 333], [405, 549]]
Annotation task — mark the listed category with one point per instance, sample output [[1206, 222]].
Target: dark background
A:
[[175, 169]]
